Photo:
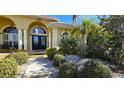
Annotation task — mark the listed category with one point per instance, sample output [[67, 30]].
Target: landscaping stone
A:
[[41, 67], [78, 62], [80, 66], [72, 58]]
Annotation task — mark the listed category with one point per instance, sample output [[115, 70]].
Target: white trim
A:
[[19, 39], [25, 40], [55, 38]]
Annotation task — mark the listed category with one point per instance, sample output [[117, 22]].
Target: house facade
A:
[[30, 32]]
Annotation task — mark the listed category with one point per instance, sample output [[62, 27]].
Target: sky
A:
[[63, 18], [68, 18]]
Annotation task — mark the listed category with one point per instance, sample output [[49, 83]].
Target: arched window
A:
[[39, 38], [10, 37], [38, 30], [64, 34], [10, 30]]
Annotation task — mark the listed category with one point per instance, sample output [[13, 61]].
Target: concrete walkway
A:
[[39, 67]]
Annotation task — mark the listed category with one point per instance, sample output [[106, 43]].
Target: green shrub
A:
[[67, 70], [5, 51], [96, 69], [11, 50], [58, 59], [25, 54], [98, 41], [117, 56], [51, 52], [8, 68], [21, 57], [68, 46]]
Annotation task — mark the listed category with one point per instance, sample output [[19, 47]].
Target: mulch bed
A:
[[118, 72]]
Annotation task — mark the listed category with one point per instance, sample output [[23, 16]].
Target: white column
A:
[[55, 38], [20, 39], [49, 39], [25, 40]]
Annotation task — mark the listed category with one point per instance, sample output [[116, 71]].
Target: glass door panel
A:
[[38, 42]]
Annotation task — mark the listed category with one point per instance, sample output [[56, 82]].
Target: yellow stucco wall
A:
[[21, 22], [0, 38], [35, 24], [26, 23], [5, 22]]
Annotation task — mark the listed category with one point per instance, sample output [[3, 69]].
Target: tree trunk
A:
[[83, 45]]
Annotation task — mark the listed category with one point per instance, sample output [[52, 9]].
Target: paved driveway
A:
[[39, 67]]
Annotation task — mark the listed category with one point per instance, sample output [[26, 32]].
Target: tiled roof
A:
[[62, 25]]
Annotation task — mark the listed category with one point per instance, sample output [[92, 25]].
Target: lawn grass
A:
[[2, 55]]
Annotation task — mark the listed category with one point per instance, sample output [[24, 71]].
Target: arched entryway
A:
[[10, 38], [38, 38]]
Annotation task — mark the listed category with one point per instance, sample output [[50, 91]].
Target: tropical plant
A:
[[82, 33], [97, 44]]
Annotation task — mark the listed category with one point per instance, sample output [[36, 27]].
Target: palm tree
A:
[[74, 17], [82, 33]]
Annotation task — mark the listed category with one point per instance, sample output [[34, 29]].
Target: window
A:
[[38, 30], [35, 40], [43, 41], [10, 37], [38, 38], [65, 35]]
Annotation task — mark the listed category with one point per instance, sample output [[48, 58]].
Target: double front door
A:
[[38, 42]]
